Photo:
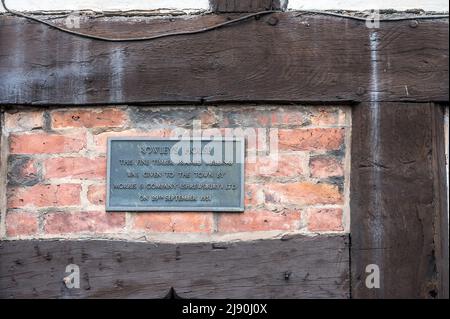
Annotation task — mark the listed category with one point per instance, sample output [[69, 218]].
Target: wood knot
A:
[[273, 21]]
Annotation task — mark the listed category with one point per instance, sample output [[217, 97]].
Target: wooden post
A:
[[440, 194], [397, 197]]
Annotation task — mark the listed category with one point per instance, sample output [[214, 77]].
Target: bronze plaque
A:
[[146, 174]]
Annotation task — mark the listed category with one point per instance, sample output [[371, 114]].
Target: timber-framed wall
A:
[[395, 78]]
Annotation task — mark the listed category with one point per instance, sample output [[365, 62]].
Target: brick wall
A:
[[56, 169]]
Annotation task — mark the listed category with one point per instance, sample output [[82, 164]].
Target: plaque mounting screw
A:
[[287, 275]]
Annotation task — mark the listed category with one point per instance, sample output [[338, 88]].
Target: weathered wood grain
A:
[[394, 203], [285, 57], [441, 229], [247, 5], [296, 267]]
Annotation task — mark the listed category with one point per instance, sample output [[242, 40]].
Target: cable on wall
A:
[[202, 30], [150, 38], [345, 16]]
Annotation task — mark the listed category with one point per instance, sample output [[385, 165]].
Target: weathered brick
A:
[[311, 139], [97, 194], [42, 143], [75, 167], [111, 117], [80, 222], [326, 166], [208, 118], [23, 171], [21, 224], [174, 222], [325, 116], [24, 121], [259, 221], [254, 195], [248, 117], [324, 219], [278, 165], [290, 117], [101, 139], [265, 117], [44, 196], [301, 193], [172, 117]]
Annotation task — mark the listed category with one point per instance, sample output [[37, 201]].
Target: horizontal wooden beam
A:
[[292, 267], [281, 57]]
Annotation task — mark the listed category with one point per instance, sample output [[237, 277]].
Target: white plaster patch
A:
[[124, 5], [359, 5], [104, 5]]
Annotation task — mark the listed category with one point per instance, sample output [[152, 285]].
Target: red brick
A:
[[79, 222], [24, 121], [324, 167], [302, 193], [174, 222], [42, 143], [325, 220], [89, 118], [311, 139], [45, 196], [97, 194], [101, 139], [281, 165], [259, 221], [21, 224], [75, 167]]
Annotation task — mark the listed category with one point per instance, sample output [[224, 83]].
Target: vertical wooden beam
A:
[[441, 208], [395, 199], [219, 6]]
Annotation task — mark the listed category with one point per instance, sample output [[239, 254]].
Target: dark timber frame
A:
[[396, 78]]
